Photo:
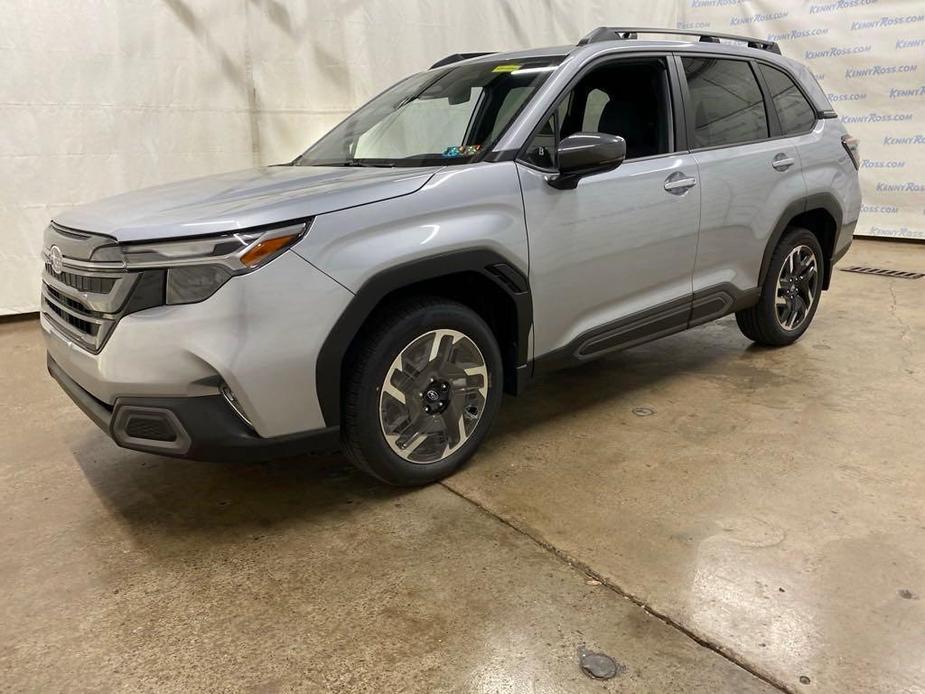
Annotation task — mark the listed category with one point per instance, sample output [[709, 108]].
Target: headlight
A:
[[197, 267], [192, 283]]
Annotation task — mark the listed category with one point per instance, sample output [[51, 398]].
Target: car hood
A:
[[239, 200]]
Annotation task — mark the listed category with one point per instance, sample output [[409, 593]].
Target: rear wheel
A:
[[790, 294], [422, 391]]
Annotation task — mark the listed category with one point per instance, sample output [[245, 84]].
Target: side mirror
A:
[[583, 154]]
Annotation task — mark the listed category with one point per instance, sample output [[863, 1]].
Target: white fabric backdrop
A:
[[102, 97]]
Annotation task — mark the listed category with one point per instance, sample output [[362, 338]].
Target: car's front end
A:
[[198, 347], [191, 319]]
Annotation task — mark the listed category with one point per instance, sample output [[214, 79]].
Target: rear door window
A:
[[795, 114], [726, 101]]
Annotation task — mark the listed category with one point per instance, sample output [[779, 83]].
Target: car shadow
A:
[[154, 493], [622, 378]]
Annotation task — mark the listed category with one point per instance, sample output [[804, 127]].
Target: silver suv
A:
[[470, 228]]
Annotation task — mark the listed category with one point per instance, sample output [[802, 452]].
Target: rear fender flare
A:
[[825, 201]]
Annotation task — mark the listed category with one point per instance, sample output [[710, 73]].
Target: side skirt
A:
[[645, 326]]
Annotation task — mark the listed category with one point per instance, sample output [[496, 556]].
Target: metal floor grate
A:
[[884, 273]]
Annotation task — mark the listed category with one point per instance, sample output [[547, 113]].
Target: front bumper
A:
[[258, 336], [200, 428]]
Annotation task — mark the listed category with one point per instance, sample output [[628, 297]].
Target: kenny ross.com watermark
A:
[[839, 5], [882, 22], [878, 70]]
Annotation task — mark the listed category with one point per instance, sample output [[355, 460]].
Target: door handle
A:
[[782, 162], [678, 184]]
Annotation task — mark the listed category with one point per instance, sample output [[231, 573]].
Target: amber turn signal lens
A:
[[261, 250]]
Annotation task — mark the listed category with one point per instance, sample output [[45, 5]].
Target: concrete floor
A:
[[764, 523]]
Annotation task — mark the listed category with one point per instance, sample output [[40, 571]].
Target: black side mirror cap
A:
[[584, 154]]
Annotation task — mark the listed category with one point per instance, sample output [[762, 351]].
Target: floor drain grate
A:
[[885, 273]]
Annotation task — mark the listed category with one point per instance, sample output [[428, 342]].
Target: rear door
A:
[[611, 261], [749, 172]]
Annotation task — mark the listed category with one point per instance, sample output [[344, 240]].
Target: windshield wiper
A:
[[373, 162], [361, 162]]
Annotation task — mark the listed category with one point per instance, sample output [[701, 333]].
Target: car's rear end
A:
[[830, 160]]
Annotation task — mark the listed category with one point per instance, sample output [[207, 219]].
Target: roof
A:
[[621, 44], [582, 53]]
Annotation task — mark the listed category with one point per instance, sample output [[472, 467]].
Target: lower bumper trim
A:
[[198, 428], [846, 236]]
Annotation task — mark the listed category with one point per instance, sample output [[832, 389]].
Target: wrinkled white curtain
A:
[[103, 97]]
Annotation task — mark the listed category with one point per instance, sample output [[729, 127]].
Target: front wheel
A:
[[790, 294], [422, 390]]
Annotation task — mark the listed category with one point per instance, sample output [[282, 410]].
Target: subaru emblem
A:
[[56, 259]]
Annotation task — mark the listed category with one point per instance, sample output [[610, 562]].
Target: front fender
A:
[[466, 219]]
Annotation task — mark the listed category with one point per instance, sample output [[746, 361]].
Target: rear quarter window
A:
[[794, 111]]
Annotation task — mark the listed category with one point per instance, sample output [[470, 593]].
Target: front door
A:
[[611, 261]]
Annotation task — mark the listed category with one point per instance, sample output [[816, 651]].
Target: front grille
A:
[[83, 283], [80, 324], [83, 301], [68, 302]]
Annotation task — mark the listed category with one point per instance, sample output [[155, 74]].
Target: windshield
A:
[[438, 117]]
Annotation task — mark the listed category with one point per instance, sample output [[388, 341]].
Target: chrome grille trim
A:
[[72, 264], [84, 301], [86, 328], [110, 302], [84, 282], [71, 310], [92, 266]]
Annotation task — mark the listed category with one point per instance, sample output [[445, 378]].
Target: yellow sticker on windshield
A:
[[506, 68]]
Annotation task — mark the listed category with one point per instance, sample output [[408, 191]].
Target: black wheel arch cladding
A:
[[760, 323], [487, 263], [796, 214]]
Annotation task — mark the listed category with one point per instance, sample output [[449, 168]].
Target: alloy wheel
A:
[[797, 287], [433, 396]]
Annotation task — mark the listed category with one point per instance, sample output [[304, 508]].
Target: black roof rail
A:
[[456, 57], [621, 33]]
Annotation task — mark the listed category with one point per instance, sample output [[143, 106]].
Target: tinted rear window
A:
[[795, 113], [726, 100]]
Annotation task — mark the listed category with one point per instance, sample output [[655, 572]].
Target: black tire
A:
[[392, 330], [761, 322]]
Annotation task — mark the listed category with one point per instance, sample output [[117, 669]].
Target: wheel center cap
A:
[[437, 397]]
